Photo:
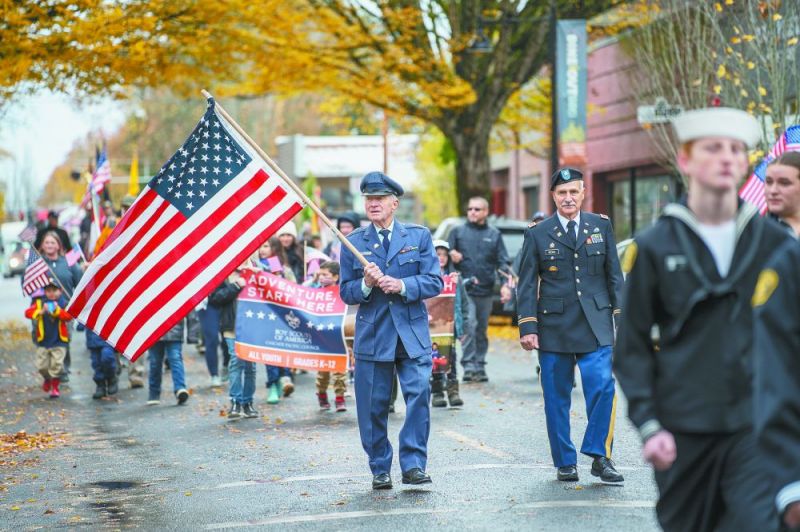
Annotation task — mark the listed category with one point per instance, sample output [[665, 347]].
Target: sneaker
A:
[[249, 411], [182, 396], [216, 381], [235, 412], [467, 376], [286, 385], [153, 402], [340, 404], [324, 404], [274, 395], [480, 376], [225, 377]]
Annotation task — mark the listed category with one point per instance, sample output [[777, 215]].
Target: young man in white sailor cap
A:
[[683, 354]]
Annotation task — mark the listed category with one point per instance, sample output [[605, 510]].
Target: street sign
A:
[[660, 113]]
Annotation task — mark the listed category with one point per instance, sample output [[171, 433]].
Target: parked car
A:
[[15, 257], [513, 233]]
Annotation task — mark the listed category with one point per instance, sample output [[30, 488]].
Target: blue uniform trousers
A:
[[373, 389], [557, 374], [104, 363]]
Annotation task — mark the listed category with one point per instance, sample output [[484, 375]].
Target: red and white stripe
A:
[[35, 276], [101, 176], [158, 265], [753, 192]]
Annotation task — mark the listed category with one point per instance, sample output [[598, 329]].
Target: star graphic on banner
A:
[[272, 316], [331, 326], [320, 327], [310, 324], [261, 315], [249, 313]]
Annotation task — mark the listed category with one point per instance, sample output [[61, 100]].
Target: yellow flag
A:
[[133, 181]]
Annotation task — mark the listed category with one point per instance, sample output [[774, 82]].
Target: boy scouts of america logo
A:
[[565, 174], [292, 320]]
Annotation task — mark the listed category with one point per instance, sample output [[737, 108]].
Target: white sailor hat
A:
[[717, 122]]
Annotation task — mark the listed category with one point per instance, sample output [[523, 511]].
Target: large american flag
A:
[[753, 189], [211, 205]]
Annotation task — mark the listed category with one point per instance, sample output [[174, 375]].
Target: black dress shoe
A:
[[467, 376], [604, 468], [416, 476], [567, 473], [382, 482]]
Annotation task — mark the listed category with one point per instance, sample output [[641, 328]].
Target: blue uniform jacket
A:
[[567, 294], [382, 318]]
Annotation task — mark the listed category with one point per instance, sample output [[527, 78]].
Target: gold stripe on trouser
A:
[[610, 437]]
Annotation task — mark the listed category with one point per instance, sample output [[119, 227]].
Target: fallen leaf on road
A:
[[188, 493]]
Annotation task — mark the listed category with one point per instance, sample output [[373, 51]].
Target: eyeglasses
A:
[[474, 208]]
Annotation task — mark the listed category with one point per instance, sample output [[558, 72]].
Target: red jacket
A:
[[50, 329]]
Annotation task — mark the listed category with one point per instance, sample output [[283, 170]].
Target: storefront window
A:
[[652, 193]]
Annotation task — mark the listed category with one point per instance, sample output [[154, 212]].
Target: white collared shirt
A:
[[564, 221], [379, 229], [366, 290]]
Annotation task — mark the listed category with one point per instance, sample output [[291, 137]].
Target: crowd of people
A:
[[698, 334]]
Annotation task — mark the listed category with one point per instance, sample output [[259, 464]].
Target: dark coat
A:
[[777, 370], [567, 295], [224, 298], [484, 253], [190, 326], [694, 375]]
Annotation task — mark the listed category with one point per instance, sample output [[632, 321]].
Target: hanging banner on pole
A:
[[571, 96], [281, 323]]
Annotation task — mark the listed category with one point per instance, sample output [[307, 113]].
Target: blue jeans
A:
[[209, 322], [156, 356], [104, 363], [274, 374], [242, 375]]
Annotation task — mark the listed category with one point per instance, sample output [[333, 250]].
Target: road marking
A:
[[589, 503], [286, 519], [343, 476], [475, 444]]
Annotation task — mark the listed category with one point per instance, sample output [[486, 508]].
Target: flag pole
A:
[[314, 207]]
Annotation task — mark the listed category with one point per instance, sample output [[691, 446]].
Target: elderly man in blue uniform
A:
[[391, 331], [569, 291]]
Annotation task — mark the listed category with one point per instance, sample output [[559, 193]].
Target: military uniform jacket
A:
[[777, 370], [383, 317], [568, 294], [683, 354]]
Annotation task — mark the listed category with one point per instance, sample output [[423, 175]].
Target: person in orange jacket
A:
[[50, 334]]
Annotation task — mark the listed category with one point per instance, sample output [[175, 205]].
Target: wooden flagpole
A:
[[294, 186]]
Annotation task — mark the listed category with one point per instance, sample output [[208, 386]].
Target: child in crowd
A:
[[449, 381], [104, 365], [50, 334], [241, 373], [438, 375], [169, 346], [272, 258], [328, 275]]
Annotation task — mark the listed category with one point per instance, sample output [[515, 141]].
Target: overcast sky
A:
[[42, 128]]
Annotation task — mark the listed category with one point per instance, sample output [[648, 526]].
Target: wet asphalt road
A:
[[123, 464]]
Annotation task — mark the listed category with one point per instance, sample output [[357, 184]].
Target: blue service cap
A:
[[380, 184], [565, 175]]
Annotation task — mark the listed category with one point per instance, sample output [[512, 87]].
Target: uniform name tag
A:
[[552, 252], [366, 253], [675, 263]]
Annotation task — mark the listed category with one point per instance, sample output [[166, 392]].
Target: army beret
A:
[[380, 184], [717, 122], [565, 175]]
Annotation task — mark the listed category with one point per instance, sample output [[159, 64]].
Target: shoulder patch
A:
[[532, 224], [629, 258], [767, 283], [604, 216]]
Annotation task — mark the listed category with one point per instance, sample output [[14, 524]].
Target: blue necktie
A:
[[385, 235]]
